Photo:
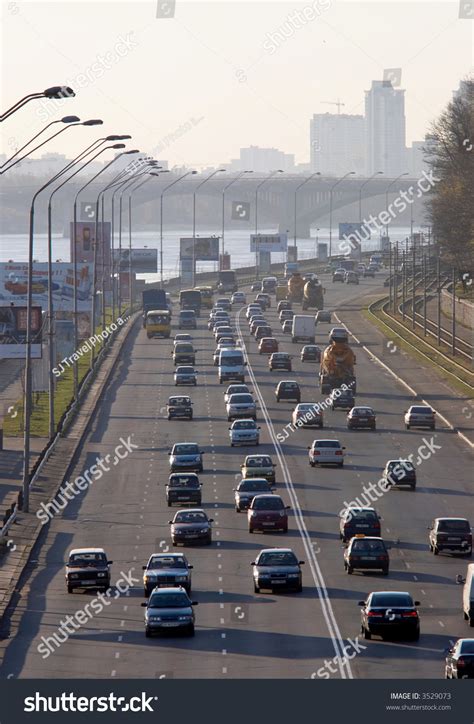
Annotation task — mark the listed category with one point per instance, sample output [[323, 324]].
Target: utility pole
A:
[[390, 266], [425, 266], [404, 282], [413, 288], [395, 281], [453, 312]]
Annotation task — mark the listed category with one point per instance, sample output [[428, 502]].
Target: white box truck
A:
[[303, 329]]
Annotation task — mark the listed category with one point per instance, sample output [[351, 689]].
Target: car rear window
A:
[[327, 443], [454, 525], [390, 599], [253, 486], [422, 410], [375, 546], [180, 482], [363, 516]]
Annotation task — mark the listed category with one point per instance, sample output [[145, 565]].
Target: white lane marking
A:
[[441, 624], [332, 626], [423, 592], [113, 673]]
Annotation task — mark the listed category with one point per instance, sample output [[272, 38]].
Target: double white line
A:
[[333, 628]]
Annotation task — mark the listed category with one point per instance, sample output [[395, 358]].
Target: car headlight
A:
[[181, 579], [149, 577], [74, 575], [264, 575], [206, 529], [154, 618], [101, 575], [293, 575], [253, 513], [197, 458], [184, 618]]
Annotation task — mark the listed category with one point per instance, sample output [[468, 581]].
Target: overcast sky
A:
[[218, 76]]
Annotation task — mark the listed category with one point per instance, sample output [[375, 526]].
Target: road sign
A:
[[87, 211], [240, 211], [268, 242]]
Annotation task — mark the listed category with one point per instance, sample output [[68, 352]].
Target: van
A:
[[183, 353], [303, 328], [231, 365], [269, 284], [468, 595], [158, 323]]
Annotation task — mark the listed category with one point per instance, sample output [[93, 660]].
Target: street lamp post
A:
[[367, 181], [267, 178], [316, 173], [56, 91], [208, 178], [188, 173], [349, 173], [394, 181], [237, 178], [65, 119]]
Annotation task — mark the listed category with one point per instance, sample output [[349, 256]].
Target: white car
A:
[[182, 337], [235, 390], [244, 432], [326, 452], [238, 298], [420, 416], [241, 405], [253, 309]]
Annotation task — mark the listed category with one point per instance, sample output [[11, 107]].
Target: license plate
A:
[[277, 582], [363, 419], [369, 558], [183, 497], [192, 535], [268, 522], [455, 539], [169, 624], [363, 526]]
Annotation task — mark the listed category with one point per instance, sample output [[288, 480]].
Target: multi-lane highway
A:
[[240, 634]]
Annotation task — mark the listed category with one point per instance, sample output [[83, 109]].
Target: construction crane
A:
[[335, 103]]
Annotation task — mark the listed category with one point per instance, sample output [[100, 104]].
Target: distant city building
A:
[[258, 159], [337, 143], [385, 129], [415, 158]]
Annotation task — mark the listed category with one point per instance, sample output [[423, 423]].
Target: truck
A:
[[295, 287], [337, 363], [227, 281], [153, 299], [303, 328], [191, 299], [313, 297]]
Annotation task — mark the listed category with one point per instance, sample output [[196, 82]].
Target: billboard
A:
[[205, 248], [13, 332], [354, 230], [144, 261], [14, 285], [268, 242]]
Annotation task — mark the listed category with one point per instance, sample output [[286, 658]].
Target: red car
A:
[[268, 512], [267, 345]]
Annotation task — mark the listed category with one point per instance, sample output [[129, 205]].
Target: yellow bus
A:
[[158, 323], [206, 296]]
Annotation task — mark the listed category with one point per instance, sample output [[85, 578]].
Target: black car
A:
[[183, 488], [179, 406], [358, 520], [361, 417], [191, 526], [345, 400], [366, 553], [288, 390], [88, 568], [169, 609], [247, 489], [399, 473], [310, 353], [280, 361], [277, 569], [460, 660], [339, 275], [165, 570], [387, 613], [450, 534]]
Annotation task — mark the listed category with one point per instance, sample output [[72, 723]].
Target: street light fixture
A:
[[237, 178], [267, 178], [317, 173], [208, 178], [188, 173], [56, 91], [349, 173]]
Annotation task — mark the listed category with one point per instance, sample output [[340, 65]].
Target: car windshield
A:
[[241, 399], [422, 410], [186, 449], [176, 401], [169, 600], [183, 347], [368, 546], [259, 462], [183, 481], [167, 562], [232, 360], [253, 486], [157, 319], [278, 558], [244, 425], [190, 516], [87, 559], [269, 502], [327, 443], [459, 526], [391, 599], [185, 370]]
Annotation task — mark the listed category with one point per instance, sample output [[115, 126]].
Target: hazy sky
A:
[[216, 75]]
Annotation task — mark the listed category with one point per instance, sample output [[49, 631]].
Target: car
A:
[[256, 287], [277, 569], [235, 390], [326, 452], [223, 331], [307, 414], [360, 268], [255, 323], [224, 303], [342, 399], [450, 534], [224, 343], [238, 298], [262, 302], [420, 416], [385, 613], [283, 304], [267, 512], [269, 284], [191, 526], [247, 489], [399, 473], [87, 568], [361, 417], [460, 660], [252, 309], [324, 315], [358, 520], [182, 337], [366, 553], [286, 314], [280, 361], [263, 330], [185, 375], [187, 319], [183, 352], [267, 345], [351, 277], [369, 271], [218, 324], [244, 432], [266, 298], [287, 326], [169, 609], [288, 390], [186, 456], [241, 405], [179, 406], [166, 570], [183, 488], [339, 275], [258, 466], [310, 353]]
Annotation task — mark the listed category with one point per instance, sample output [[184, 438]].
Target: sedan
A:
[[183, 488], [351, 277], [358, 520], [186, 456], [222, 332], [165, 570], [182, 337], [185, 375], [339, 275], [399, 473], [369, 272], [307, 414], [323, 315], [244, 432], [255, 322], [287, 326], [288, 390], [256, 286], [310, 353], [284, 304], [224, 303], [267, 345], [252, 309], [361, 417], [266, 298], [326, 452], [262, 331], [280, 361], [241, 405], [268, 512], [191, 526], [277, 569], [286, 314], [235, 390], [366, 553], [238, 298], [344, 400], [258, 466], [247, 489], [390, 612], [181, 406], [420, 416], [460, 660], [450, 534], [169, 608]]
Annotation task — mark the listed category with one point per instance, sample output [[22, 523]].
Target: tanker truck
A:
[[337, 363], [313, 295], [295, 288]]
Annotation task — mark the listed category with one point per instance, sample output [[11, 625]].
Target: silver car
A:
[[326, 452], [241, 405], [244, 432], [185, 375], [234, 390], [420, 416]]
